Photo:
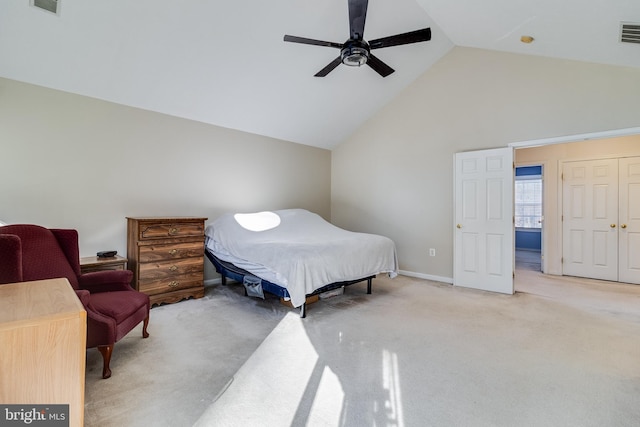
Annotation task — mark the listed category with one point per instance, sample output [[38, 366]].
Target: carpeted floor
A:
[[415, 352], [528, 260]]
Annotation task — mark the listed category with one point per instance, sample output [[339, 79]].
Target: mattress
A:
[[299, 250]]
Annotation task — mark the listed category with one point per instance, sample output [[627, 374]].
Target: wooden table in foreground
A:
[[43, 332]]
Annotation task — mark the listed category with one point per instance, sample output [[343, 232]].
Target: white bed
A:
[[298, 250]]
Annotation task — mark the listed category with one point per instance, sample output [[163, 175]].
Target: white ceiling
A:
[[225, 63]]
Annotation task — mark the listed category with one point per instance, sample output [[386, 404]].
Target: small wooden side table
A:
[[93, 263]]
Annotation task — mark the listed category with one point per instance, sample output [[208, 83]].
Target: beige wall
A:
[[394, 175], [76, 162], [552, 157], [72, 161]]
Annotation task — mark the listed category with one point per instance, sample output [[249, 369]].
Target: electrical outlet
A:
[[432, 251]]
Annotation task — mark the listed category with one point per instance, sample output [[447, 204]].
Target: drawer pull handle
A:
[[173, 251], [173, 268], [174, 284], [173, 230]]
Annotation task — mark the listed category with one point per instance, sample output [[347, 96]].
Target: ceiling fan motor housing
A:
[[355, 53]]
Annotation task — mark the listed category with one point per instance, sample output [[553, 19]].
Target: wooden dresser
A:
[[43, 333], [166, 255]]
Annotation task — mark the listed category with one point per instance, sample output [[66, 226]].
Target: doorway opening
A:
[[528, 217], [553, 153]]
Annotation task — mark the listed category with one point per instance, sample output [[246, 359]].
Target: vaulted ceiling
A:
[[225, 62]]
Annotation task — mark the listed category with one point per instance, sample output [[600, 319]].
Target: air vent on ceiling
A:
[[48, 5], [630, 32]]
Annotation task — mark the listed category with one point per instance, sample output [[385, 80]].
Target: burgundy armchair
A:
[[114, 308]]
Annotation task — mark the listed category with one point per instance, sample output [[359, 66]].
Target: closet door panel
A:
[[590, 217], [629, 220]]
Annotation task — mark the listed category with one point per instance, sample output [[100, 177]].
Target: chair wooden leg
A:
[[145, 334], [106, 351]]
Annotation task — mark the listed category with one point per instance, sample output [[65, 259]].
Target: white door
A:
[[484, 236], [629, 231], [590, 219]]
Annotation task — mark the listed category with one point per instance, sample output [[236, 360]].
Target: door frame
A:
[[543, 167], [576, 138], [561, 140]]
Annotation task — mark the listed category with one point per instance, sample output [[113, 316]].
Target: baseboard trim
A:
[[448, 280], [213, 281]]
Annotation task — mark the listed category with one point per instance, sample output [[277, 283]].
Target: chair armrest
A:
[[101, 329], [83, 296], [10, 258], [106, 281]]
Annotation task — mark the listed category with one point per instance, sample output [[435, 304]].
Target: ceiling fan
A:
[[357, 51]]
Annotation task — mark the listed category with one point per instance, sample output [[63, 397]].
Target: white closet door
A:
[[590, 219], [629, 220], [483, 244]]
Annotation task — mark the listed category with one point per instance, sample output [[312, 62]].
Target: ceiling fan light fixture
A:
[[355, 53]]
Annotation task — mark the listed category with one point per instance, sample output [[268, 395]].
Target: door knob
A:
[[459, 226], [623, 226], [612, 226]]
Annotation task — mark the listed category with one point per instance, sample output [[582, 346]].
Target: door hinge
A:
[[562, 260]]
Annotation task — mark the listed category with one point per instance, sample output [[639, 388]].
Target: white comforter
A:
[[303, 253]]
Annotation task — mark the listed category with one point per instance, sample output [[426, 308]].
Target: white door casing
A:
[[484, 233], [590, 219]]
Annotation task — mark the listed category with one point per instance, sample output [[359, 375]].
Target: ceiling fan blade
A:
[[380, 67], [303, 40], [357, 18], [326, 70], [405, 38]]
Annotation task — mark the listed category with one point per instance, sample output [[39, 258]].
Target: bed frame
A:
[[228, 270]]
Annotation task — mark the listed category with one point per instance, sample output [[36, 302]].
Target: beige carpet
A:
[[414, 352]]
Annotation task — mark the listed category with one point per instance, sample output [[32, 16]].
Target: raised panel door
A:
[[629, 269], [590, 217]]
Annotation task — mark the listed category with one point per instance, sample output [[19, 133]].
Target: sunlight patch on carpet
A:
[[391, 383], [269, 387]]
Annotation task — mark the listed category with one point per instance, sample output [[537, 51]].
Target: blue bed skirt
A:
[[228, 270]]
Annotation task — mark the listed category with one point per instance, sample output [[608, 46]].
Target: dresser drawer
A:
[[166, 230], [171, 268], [161, 252], [161, 286]]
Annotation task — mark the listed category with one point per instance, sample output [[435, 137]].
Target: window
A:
[[528, 201]]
